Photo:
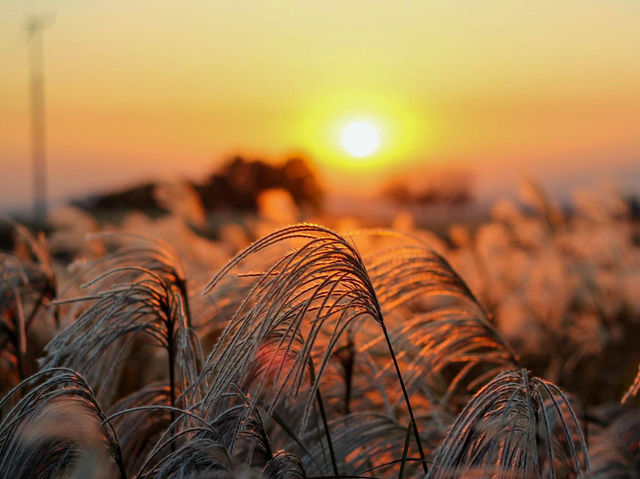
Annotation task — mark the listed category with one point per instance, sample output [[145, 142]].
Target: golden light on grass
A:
[[360, 139]]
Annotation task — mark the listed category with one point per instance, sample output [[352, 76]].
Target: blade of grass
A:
[[405, 451]]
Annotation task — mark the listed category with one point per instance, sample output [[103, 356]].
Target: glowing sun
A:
[[360, 139]]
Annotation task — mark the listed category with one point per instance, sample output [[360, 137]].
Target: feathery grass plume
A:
[[438, 326], [516, 426], [292, 320], [127, 249], [185, 428], [98, 342], [27, 284], [235, 441], [319, 278], [403, 268], [283, 465], [278, 465], [242, 431], [35, 437], [245, 437], [126, 303], [188, 447], [445, 344]]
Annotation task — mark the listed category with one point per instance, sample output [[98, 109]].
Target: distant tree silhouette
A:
[[236, 185], [239, 183], [138, 197]]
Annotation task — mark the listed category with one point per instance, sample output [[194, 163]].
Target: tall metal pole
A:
[[35, 25]]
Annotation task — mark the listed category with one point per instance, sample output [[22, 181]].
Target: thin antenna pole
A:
[[35, 25]]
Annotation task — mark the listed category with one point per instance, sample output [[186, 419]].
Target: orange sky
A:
[[157, 88]]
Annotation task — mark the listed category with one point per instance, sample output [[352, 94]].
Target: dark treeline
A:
[[236, 185]]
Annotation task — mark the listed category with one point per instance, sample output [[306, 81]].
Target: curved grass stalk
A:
[[34, 435], [315, 291], [127, 303], [103, 333], [515, 426]]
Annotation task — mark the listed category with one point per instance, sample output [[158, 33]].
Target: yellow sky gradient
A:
[[158, 88]]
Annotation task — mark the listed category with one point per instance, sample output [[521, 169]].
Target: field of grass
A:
[[506, 349]]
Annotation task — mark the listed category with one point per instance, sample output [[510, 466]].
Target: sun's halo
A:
[[360, 139]]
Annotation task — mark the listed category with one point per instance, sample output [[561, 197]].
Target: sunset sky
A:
[[151, 89]]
